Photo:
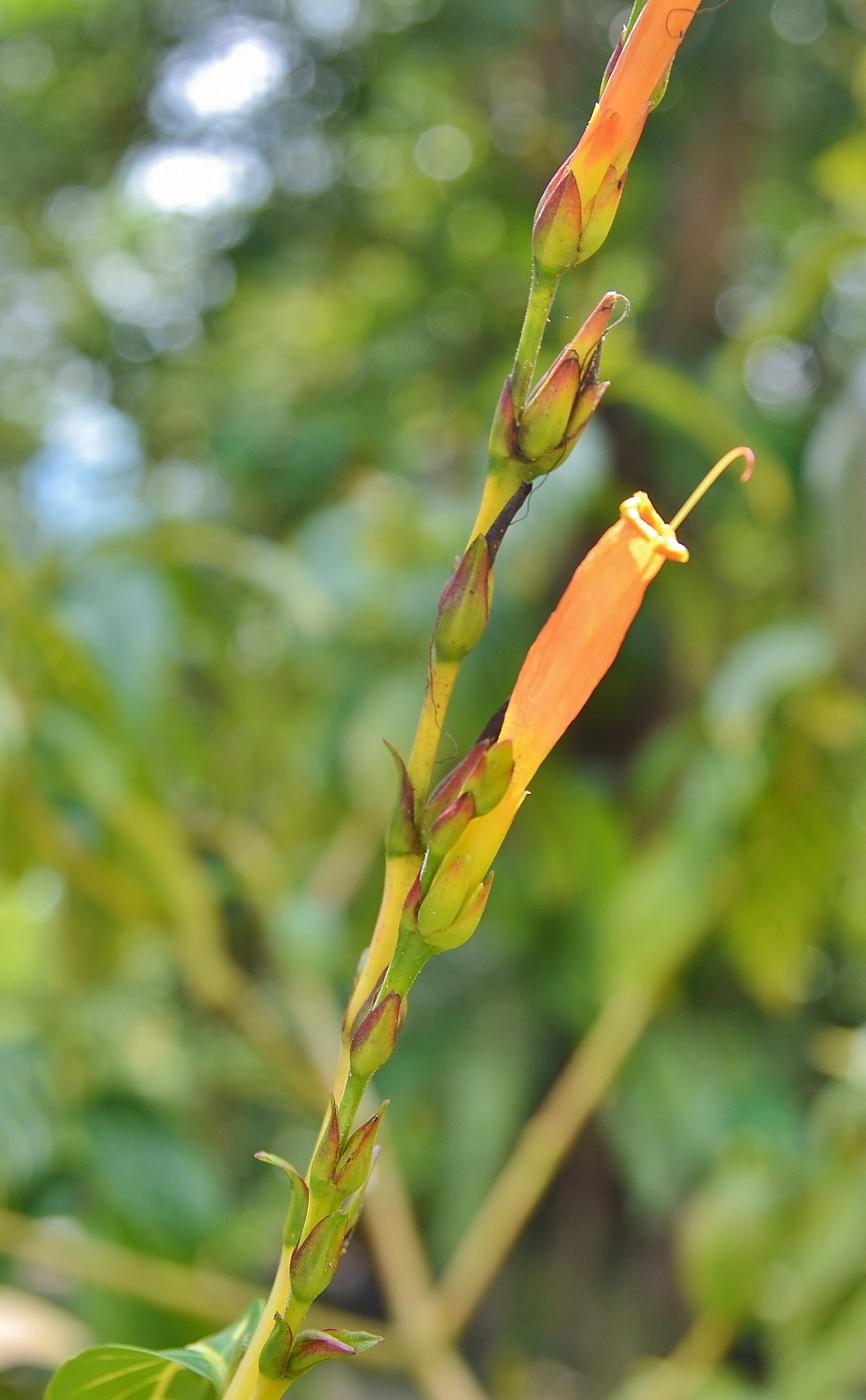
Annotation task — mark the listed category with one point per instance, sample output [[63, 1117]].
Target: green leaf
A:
[[114, 1373], [133, 1373], [216, 1357]]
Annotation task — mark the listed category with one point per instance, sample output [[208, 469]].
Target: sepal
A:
[[274, 1355], [447, 829], [558, 226], [584, 408], [355, 1165], [374, 1040], [588, 339], [502, 443], [545, 418], [327, 1151], [401, 838], [602, 211], [366, 1006], [489, 783], [467, 921], [454, 782], [336, 1344], [444, 899], [314, 1262]]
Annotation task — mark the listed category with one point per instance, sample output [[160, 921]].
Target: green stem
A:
[[409, 958], [349, 1104], [541, 293]]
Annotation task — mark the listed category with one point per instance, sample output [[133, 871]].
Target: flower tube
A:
[[575, 649]]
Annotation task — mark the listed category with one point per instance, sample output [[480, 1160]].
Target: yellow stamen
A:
[[713, 475]]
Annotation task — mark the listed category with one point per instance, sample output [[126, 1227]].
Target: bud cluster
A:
[[559, 407], [445, 905], [284, 1357], [322, 1214]]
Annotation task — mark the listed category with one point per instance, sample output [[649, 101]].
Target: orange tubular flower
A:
[[576, 647], [579, 205]]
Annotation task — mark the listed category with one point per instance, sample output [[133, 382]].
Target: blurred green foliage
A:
[[262, 267]]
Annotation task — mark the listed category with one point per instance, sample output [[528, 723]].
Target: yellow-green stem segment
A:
[[441, 679]]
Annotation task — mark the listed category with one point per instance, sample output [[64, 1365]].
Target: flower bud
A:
[[464, 605], [544, 421], [354, 1166], [274, 1355], [335, 1344], [556, 412], [444, 899], [447, 829], [488, 784], [374, 1040], [467, 921], [315, 1261]]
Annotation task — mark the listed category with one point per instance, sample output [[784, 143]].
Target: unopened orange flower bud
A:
[[579, 205]]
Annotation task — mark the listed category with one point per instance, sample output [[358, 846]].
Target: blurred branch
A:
[[202, 1293], [540, 1151], [402, 1267], [692, 1360]]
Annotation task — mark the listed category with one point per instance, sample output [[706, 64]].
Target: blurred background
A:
[[262, 268]]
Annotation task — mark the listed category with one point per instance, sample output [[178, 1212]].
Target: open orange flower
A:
[[579, 205], [576, 647]]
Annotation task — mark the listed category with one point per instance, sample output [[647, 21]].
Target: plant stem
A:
[[504, 478], [245, 1381], [350, 1102], [542, 290], [400, 872]]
